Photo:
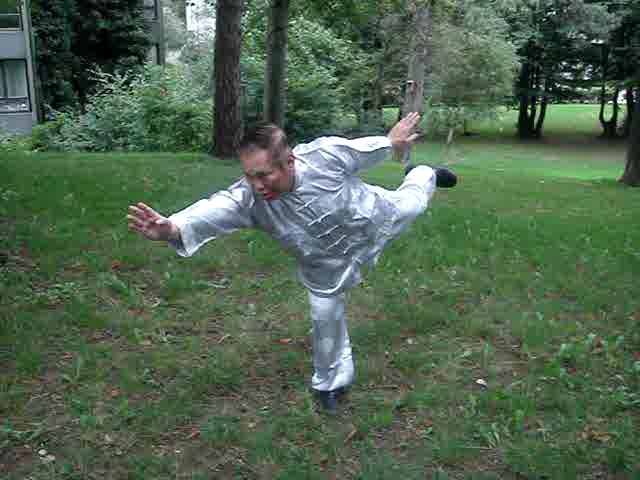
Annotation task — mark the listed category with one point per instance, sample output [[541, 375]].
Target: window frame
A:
[[18, 14], [3, 79]]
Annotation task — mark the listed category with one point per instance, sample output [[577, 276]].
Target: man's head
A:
[[267, 161]]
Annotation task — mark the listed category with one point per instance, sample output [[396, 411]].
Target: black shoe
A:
[[329, 399], [445, 178]]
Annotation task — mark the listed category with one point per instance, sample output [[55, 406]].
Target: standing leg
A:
[[332, 359]]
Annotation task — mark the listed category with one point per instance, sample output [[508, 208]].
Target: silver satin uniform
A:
[[331, 221]]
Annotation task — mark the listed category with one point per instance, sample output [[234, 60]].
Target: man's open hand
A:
[[149, 223], [402, 135]]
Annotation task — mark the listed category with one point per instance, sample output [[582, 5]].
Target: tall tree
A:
[[276, 67], [417, 61], [378, 31], [227, 117], [472, 66], [73, 37], [548, 32], [625, 42], [631, 175], [610, 125]]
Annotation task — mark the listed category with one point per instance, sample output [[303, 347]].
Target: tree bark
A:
[[628, 119], [227, 126], [414, 93], [543, 110], [378, 117], [530, 81], [524, 85], [610, 126], [276, 69], [631, 175]]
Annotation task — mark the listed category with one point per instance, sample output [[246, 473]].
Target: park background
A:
[[497, 339]]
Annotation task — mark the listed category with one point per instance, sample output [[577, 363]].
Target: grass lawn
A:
[[120, 360]]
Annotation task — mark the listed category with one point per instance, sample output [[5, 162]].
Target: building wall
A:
[[18, 114]]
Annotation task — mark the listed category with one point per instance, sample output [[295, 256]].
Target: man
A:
[[312, 201]]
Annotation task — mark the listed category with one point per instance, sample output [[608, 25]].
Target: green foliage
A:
[[74, 37], [315, 97], [156, 109], [553, 40], [472, 68]]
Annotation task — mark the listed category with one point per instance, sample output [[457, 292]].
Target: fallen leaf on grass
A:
[[590, 433], [113, 393], [354, 433]]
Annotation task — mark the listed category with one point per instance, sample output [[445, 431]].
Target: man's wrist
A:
[[174, 234]]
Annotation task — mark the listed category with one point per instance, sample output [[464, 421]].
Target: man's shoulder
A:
[[240, 191], [334, 144], [320, 143]]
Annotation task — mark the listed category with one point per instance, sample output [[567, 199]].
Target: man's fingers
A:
[[135, 228], [415, 118], [136, 221], [148, 210], [139, 213]]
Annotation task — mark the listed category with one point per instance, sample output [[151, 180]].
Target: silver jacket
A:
[[332, 221]]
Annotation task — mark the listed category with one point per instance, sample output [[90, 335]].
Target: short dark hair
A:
[[266, 136]]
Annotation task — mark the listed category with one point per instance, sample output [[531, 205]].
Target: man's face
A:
[[267, 179]]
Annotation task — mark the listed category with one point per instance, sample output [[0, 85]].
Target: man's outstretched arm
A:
[[222, 213], [365, 152]]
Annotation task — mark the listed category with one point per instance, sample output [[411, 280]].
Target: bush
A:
[[154, 110], [315, 99], [10, 143]]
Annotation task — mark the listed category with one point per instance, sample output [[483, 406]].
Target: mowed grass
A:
[[496, 339]]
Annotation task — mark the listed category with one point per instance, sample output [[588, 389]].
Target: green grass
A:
[[123, 361]]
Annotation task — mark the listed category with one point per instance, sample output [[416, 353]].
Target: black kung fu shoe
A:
[[445, 178], [329, 400]]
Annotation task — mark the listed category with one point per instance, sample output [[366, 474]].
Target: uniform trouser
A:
[[332, 357]]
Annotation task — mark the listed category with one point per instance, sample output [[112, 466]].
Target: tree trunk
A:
[[631, 175], [378, 117], [609, 127], [227, 126], [524, 85], [276, 69], [414, 93], [530, 82], [543, 110], [628, 119]]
